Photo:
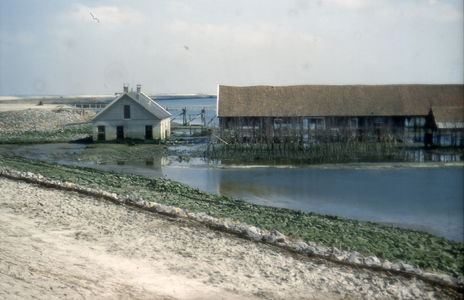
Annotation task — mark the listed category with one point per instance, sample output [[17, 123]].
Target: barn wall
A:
[[269, 128]]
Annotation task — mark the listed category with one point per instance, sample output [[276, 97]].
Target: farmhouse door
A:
[[120, 132], [149, 132], [101, 133]]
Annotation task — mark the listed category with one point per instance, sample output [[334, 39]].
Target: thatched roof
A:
[[336, 100], [448, 117]]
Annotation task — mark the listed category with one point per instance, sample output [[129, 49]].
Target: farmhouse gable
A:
[[132, 115]]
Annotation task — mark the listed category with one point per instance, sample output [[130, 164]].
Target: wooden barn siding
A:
[[257, 128]]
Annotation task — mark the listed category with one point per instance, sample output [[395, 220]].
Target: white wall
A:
[[134, 127]]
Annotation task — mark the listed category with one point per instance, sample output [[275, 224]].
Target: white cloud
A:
[[178, 8], [431, 10], [245, 36], [351, 3], [113, 15], [20, 37]]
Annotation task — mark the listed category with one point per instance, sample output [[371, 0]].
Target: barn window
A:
[[378, 120], [317, 123], [127, 112], [354, 123]]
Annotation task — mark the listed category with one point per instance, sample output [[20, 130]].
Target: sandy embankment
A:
[[16, 103], [60, 244]]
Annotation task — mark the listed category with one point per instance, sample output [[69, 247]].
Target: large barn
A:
[[132, 115], [309, 109]]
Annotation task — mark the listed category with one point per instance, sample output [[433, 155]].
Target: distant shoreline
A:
[[102, 97]]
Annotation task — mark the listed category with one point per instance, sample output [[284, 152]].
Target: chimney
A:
[[126, 88], [139, 87]]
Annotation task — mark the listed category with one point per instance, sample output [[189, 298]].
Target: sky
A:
[[58, 47]]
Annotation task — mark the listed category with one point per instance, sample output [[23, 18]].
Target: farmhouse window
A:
[[127, 112]]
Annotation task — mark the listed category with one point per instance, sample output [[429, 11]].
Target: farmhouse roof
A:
[[145, 101], [448, 117], [336, 100]]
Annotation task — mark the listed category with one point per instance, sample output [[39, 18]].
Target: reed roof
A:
[[448, 117], [336, 100]]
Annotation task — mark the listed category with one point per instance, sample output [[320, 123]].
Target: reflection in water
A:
[[421, 156], [415, 156], [446, 157], [428, 199]]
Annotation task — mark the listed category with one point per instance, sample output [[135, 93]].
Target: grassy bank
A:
[[71, 133], [395, 244]]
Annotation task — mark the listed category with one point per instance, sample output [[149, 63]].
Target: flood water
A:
[[426, 198]]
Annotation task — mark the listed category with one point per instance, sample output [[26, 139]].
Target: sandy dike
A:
[[58, 244]]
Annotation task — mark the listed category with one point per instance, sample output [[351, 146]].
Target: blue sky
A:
[[56, 47]]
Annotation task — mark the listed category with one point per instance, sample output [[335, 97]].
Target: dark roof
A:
[[448, 117], [336, 100], [150, 105]]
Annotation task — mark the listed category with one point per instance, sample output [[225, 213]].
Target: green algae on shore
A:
[[67, 134], [394, 244]]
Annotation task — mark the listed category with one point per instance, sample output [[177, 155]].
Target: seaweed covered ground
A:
[[394, 244], [59, 135]]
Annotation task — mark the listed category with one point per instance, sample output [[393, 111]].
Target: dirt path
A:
[[62, 245]]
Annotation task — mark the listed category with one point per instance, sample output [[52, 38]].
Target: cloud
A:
[[246, 36], [178, 8], [425, 10], [112, 15], [20, 37], [351, 3]]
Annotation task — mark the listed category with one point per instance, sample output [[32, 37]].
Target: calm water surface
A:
[[429, 199]]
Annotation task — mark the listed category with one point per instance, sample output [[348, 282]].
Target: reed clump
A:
[[313, 152], [318, 144]]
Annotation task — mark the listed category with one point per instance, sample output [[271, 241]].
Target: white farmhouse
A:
[[132, 115]]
